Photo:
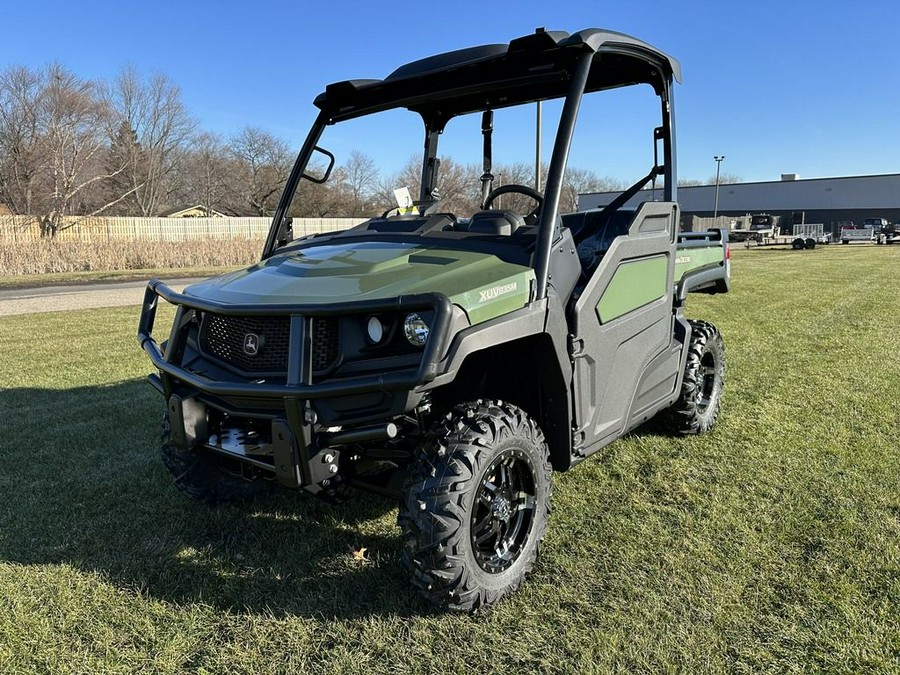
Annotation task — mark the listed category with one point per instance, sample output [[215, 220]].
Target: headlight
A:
[[415, 329], [375, 330]]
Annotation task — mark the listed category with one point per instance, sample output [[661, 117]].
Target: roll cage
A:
[[542, 66]]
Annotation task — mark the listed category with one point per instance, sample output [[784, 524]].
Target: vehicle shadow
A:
[[83, 486]]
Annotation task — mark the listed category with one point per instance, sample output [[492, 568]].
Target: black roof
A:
[[530, 68]]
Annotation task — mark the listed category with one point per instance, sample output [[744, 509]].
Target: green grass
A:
[[769, 545]]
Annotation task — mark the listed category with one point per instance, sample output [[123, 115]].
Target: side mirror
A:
[[328, 166]]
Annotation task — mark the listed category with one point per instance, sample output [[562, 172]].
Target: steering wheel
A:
[[531, 216]]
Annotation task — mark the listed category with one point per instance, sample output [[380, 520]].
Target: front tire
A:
[[697, 406], [475, 505]]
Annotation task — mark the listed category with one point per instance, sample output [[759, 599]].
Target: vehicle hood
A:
[[480, 283]]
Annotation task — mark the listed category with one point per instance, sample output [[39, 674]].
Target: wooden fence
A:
[[25, 228]]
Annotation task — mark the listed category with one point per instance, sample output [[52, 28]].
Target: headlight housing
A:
[[375, 330], [415, 329]]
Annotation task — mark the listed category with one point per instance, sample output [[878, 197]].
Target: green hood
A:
[[482, 284]]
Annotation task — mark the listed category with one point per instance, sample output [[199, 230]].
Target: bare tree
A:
[[360, 180], [21, 150], [579, 181], [518, 173], [53, 133], [151, 110], [320, 200], [724, 178], [408, 177], [458, 186], [264, 162], [71, 123], [209, 175]]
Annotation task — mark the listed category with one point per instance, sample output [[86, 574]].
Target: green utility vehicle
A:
[[451, 361]]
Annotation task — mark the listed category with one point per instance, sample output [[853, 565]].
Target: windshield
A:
[[378, 160]]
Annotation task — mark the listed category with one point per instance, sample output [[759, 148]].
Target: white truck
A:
[[880, 227], [762, 226], [890, 233]]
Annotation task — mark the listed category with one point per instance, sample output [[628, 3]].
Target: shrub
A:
[[42, 256]]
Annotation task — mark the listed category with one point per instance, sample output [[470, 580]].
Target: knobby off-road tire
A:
[[204, 477], [697, 406], [475, 505]]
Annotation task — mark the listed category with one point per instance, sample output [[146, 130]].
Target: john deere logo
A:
[[251, 344]]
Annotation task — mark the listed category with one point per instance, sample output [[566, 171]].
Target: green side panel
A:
[[694, 258], [496, 298], [634, 284]]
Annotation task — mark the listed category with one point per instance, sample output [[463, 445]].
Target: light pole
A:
[[718, 159]]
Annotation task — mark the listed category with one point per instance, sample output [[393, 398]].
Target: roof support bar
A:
[[557, 172], [309, 145], [487, 178], [430, 164]]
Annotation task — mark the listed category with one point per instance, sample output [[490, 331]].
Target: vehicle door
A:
[[625, 362]]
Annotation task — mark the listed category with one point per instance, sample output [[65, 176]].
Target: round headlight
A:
[[415, 329], [375, 329]]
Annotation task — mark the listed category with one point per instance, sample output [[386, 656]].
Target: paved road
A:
[[82, 296]]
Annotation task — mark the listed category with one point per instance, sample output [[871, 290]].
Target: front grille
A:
[[233, 339], [325, 343]]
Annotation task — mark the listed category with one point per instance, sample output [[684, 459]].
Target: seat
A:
[[495, 222]]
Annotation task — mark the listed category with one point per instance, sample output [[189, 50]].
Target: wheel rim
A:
[[708, 380], [504, 511]]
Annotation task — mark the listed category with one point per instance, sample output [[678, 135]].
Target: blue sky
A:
[[804, 87]]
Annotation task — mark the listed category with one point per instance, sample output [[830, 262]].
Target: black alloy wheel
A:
[[504, 511]]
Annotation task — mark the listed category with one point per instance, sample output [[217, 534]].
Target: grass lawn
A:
[[769, 545]]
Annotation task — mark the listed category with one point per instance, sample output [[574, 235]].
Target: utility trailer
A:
[[857, 235], [808, 235]]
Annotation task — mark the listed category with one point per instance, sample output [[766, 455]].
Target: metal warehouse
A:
[[815, 200]]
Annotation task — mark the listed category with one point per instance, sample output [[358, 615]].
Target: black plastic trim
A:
[[709, 279]]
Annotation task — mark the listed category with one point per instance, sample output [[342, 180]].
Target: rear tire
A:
[[697, 406], [475, 505], [797, 244], [205, 477], [810, 242]]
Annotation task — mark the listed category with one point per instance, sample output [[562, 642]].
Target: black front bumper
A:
[[295, 442]]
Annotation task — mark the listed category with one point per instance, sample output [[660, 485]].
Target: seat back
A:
[[597, 232], [495, 222]]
